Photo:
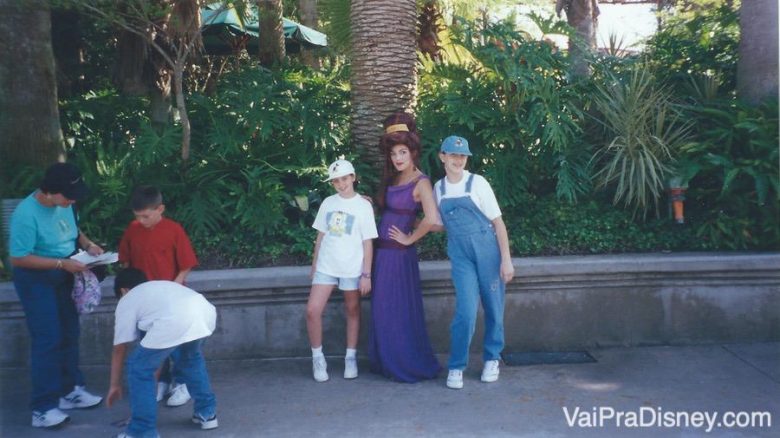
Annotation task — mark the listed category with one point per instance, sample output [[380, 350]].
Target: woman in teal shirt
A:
[[43, 236]]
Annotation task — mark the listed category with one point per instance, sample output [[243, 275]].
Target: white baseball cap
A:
[[340, 168]]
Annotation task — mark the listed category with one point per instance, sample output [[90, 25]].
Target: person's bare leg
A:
[[352, 311], [318, 298]]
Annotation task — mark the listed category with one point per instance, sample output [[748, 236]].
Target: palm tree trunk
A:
[[582, 15], [308, 12], [384, 68], [271, 32], [757, 76], [30, 130]]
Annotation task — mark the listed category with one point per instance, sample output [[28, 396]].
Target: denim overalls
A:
[[473, 250]]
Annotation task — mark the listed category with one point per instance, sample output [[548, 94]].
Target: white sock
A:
[[315, 352], [351, 353]]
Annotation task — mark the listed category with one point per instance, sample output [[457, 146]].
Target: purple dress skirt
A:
[[399, 347]]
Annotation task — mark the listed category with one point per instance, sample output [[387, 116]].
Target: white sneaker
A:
[[350, 368], [455, 379], [206, 423], [79, 398], [320, 368], [162, 390], [490, 371], [179, 396], [51, 418]]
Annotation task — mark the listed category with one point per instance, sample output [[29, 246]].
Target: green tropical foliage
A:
[[576, 166], [260, 146], [703, 42], [732, 171], [642, 130], [513, 103]]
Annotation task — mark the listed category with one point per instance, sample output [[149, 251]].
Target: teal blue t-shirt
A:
[[42, 231]]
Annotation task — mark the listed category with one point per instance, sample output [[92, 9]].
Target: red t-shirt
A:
[[161, 252]]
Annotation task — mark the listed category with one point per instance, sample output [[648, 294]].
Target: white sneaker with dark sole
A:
[[206, 423], [79, 398], [490, 371], [50, 419], [455, 379]]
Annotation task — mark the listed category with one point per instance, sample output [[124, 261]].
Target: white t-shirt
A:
[[346, 224], [481, 193], [169, 313]]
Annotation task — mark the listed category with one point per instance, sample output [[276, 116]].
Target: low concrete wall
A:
[[554, 303]]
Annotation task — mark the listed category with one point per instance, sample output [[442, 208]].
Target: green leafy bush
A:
[[260, 145], [703, 42], [513, 103], [732, 172]]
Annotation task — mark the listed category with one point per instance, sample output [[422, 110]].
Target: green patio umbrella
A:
[[224, 31]]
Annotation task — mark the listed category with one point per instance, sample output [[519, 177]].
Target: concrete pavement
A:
[[663, 386]]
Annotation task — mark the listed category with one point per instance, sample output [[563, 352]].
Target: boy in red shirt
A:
[[160, 248]]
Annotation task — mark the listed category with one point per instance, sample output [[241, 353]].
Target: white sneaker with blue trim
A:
[[51, 418], [206, 423], [79, 398]]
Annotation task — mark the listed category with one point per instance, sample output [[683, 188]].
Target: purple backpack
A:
[[86, 291]]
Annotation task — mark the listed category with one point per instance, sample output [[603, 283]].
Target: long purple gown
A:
[[399, 347]]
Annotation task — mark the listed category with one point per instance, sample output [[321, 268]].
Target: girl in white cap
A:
[[342, 257]]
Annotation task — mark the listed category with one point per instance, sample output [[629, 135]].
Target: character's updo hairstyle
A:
[[398, 128]]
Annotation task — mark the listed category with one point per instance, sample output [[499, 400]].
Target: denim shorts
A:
[[344, 283]]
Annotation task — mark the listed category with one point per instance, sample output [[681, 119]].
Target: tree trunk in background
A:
[[582, 15], [160, 111], [271, 32], [141, 71], [181, 106], [308, 12], [757, 76], [30, 130], [68, 47], [384, 68]]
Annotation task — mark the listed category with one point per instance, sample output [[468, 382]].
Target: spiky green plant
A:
[[642, 128]]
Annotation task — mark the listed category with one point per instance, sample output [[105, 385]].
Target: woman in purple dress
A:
[[399, 347]]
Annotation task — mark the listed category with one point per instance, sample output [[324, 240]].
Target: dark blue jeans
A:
[[53, 323], [142, 364]]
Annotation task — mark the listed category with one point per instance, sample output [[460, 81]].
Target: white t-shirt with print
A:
[[481, 193], [346, 223], [169, 313]]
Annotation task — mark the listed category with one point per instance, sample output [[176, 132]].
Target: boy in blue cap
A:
[[478, 247]]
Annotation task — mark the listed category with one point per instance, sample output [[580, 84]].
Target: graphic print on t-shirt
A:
[[64, 227], [339, 223]]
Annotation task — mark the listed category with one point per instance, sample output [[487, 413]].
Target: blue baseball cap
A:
[[455, 145]]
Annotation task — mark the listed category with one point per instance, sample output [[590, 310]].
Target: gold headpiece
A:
[[396, 128]]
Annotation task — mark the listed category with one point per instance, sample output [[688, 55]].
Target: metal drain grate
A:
[[547, 357]]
